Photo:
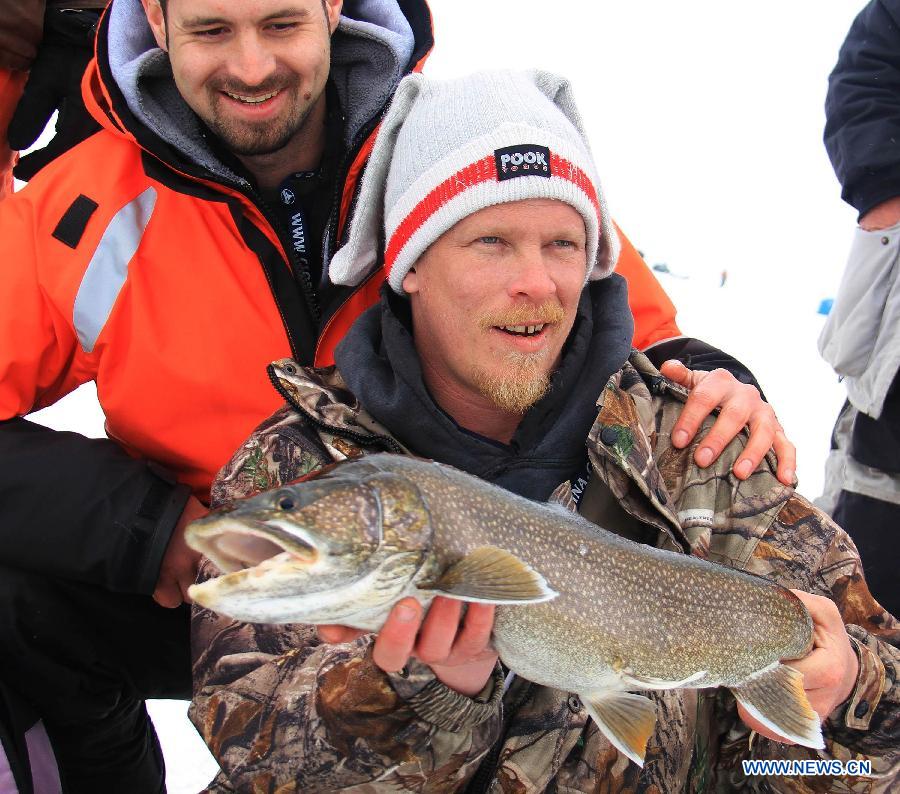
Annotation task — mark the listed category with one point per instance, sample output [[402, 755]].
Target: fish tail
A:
[[775, 697]]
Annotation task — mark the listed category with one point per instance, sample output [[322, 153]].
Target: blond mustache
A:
[[548, 312]]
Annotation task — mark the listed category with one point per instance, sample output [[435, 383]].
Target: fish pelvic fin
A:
[[627, 720], [489, 575], [776, 698]]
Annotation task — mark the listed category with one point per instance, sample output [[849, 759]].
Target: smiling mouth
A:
[[252, 100], [522, 330]]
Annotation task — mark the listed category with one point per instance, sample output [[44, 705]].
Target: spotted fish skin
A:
[[616, 616]]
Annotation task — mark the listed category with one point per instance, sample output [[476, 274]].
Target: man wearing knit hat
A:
[[502, 347]]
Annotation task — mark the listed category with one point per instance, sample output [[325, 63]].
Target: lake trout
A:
[[579, 608]]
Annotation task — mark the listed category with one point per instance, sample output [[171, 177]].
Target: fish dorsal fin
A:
[[631, 680], [627, 720], [492, 576], [776, 698]]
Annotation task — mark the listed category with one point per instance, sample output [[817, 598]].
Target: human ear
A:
[[157, 22], [333, 13], [410, 282]]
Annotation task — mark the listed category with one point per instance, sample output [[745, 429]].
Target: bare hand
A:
[[741, 405], [179, 565], [883, 216], [459, 653], [829, 669]]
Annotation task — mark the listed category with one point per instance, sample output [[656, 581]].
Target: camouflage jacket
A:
[[282, 712]]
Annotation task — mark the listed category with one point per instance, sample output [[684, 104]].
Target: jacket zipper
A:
[[301, 274]]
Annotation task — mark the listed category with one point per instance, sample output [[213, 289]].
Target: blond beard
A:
[[517, 389], [525, 379]]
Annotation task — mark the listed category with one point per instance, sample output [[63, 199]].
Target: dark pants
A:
[[875, 527], [85, 659], [874, 524]]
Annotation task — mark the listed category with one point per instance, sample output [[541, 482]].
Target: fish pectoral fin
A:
[[775, 697], [492, 576], [632, 681], [627, 720]]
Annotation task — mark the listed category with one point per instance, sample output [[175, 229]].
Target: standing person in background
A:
[[861, 338], [44, 49], [144, 259], [20, 34]]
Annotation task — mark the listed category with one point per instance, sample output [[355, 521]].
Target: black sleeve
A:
[[54, 84], [862, 108], [83, 509], [696, 354]]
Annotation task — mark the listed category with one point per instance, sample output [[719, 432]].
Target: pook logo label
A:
[[525, 160]]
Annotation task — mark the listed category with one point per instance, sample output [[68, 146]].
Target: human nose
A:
[[251, 62], [532, 277]]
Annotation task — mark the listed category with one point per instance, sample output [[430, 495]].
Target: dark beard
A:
[[247, 139]]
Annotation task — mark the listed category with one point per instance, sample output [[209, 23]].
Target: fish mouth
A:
[[237, 546]]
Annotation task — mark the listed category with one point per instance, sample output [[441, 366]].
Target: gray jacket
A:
[[861, 338]]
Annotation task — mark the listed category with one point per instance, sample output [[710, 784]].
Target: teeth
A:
[[251, 100], [525, 330]]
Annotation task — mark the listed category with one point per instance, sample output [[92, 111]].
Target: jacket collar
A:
[[622, 448]]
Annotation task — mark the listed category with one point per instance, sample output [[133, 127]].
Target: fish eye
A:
[[286, 502], [290, 369]]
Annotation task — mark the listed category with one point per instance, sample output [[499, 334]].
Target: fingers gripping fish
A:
[[580, 609]]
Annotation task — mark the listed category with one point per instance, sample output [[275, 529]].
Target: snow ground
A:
[[771, 328]]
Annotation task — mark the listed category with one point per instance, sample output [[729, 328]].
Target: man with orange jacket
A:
[[169, 258]]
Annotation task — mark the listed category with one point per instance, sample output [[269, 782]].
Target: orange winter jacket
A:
[[157, 274], [134, 264]]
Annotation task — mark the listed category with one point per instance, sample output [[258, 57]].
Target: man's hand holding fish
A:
[[829, 670], [456, 647]]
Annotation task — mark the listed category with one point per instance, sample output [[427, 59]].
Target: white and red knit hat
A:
[[449, 148]]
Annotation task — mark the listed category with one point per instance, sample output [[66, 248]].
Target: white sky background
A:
[[705, 120]]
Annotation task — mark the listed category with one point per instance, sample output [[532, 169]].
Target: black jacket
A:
[[862, 108]]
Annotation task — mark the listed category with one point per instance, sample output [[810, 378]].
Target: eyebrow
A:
[[283, 13]]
